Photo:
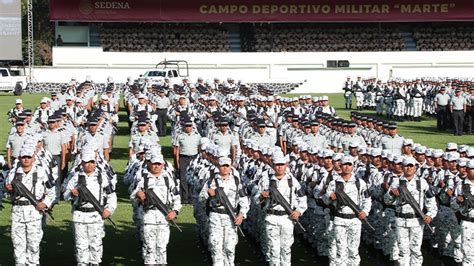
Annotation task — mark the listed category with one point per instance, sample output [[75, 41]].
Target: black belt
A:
[[389, 207], [276, 212], [465, 218], [345, 215], [84, 209], [442, 105], [161, 109], [221, 211], [21, 203], [458, 110], [405, 215], [187, 156]]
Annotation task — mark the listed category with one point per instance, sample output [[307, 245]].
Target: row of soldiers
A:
[[58, 151], [374, 181], [410, 99], [260, 165], [312, 149]]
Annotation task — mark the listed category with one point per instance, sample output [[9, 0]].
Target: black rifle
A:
[[468, 198], [224, 200], [408, 197], [152, 199], [345, 200], [278, 198], [20, 190], [87, 196]]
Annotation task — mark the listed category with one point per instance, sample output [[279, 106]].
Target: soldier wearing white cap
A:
[[389, 242], [448, 234], [462, 203], [15, 111], [347, 223], [142, 105], [359, 89], [409, 224], [222, 230], [142, 135], [278, 224], [87, 221], [42, 112], [156, 232], [26, 218], [325, 107], [347, 88]]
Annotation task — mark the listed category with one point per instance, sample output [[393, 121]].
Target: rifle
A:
[[347, 201], [20, 190], [408, 197], [152, 199], [87, 196], [468, 197], [224, 200], [279, 199]]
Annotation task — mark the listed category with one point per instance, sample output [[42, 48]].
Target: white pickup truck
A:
[[12, 81], [175, 70]]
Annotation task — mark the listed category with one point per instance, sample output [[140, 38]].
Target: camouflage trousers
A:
[[279, 234], [409, 244], [156, 238], [222, 239], [399, 107], [137, 216], [389, 242], [347, 239], [417, 107], [467, 236], [26, 239], [449, 234], [348, 98], [359, 99], [318, 230], [88, 238]]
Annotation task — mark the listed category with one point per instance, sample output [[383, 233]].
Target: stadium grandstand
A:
[[275, 37]]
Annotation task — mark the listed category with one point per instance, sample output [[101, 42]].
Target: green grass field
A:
[[121, 246]]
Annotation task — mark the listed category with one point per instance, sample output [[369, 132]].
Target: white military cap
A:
[[451, 146], [347, 160], [408, 142], [470, 152], [452, 156], [437, 153], [409, 160], [27, 151], [337, 156], [328, 153], [420, 149], [462, 162], [88, 155], [157, 158], [225, 161], [279, 158], [470, 164]]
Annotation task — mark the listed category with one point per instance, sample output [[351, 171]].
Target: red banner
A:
[[260, 10]]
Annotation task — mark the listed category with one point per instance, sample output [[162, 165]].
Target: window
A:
[[4, 72]]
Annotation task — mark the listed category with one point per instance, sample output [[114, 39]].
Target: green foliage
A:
[[42, 31]]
